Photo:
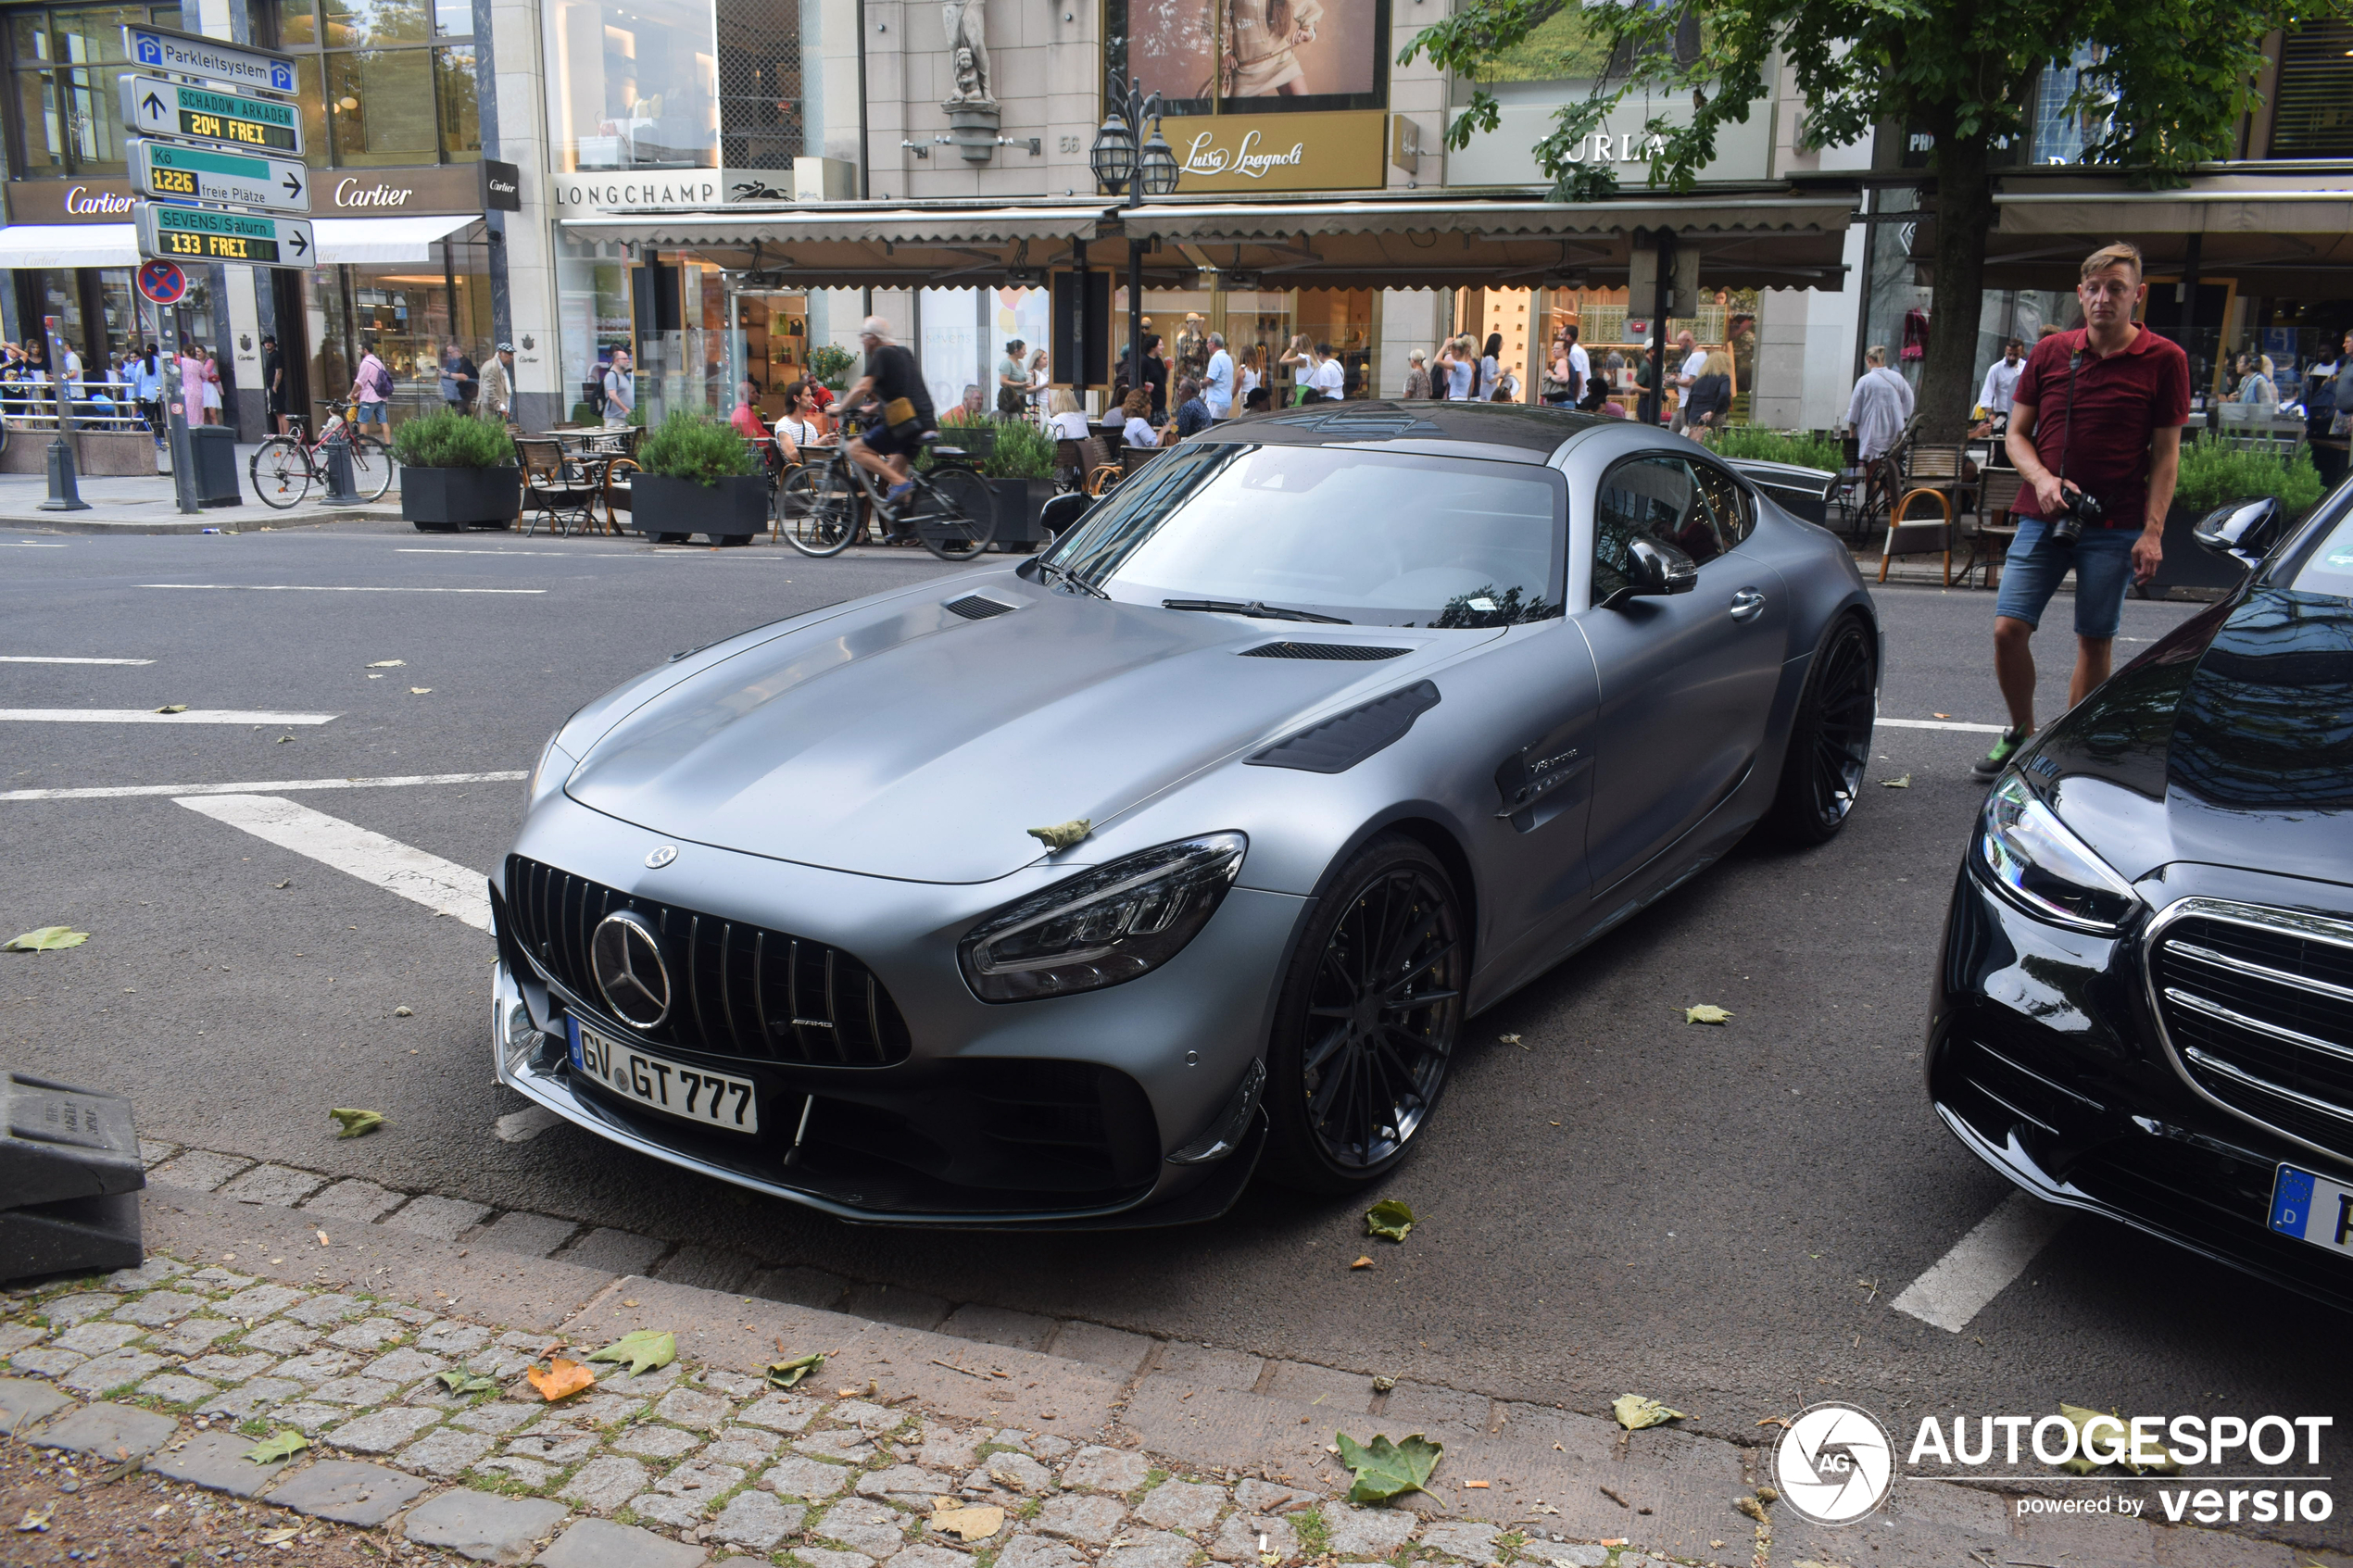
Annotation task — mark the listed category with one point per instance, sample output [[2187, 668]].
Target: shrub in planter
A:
[[830, 363], [456, 471], [698, 475], [1020, 469], [1778, 447], [2215, 473]]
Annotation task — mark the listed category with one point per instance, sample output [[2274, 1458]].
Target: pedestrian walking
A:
[[1252, 377], [1689, 363], [1880, 406], [371, 390], [460, 380], [1490, 368], [1217, 380], [1462, 368], [2096, 433], [2001, 380], [211, 383], [1328, 380], [2255, 388], [621, 392], [146, 390], [497, 402], [1416, 376], [1709, 402]]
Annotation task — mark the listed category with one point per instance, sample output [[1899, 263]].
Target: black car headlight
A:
[[2033, 857], [1106, 925]]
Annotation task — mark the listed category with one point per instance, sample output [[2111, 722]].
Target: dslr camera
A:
[[2082, 508]]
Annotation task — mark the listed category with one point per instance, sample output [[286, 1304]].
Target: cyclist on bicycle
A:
[[891, 377]]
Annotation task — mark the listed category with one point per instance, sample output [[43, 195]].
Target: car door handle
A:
[[1747, 605]]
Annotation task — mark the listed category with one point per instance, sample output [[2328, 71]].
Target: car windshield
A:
[[1374, 538], [2329, 569]]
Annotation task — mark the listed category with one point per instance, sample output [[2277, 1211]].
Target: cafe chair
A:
[[1995, 526], [554, 491]]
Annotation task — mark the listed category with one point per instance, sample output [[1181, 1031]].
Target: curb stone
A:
[[1094, 1466]]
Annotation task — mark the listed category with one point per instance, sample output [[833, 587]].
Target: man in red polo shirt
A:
[[2097, 411]]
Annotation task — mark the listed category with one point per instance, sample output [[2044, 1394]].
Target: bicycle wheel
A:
[[371, 468], [817, 509], [280, 472], [953, 514]]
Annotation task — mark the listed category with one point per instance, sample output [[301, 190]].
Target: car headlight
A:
[[2030, 855], [551, 769], [1109, 924]]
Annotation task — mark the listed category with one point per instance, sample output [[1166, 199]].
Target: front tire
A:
[[280, 472], [1367, 1021], [817, 509], [1830, 741]]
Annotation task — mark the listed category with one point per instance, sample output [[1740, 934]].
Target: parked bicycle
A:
[[286, 466], [822, 508]]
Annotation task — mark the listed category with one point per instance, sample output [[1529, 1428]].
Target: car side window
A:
[[1727, 504], [1647, 498]]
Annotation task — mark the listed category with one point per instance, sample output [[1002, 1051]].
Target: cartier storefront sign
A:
[[436, 189], [1278, 152], [70, 201]]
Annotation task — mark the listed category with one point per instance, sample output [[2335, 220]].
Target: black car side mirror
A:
[[1654, 570], [2246, 529]]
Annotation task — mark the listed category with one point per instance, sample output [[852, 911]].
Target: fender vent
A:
[[1337, 745], [975, 606], [1344, 651]]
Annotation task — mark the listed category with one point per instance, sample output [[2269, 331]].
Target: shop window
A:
[[66, 61], [1252, 56], [460, 109], [761, 108], [384, 84], [379, 104], [634, 83], [2314, 116]]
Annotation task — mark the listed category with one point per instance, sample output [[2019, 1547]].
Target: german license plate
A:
[[691, 1094], [2313, 1208]]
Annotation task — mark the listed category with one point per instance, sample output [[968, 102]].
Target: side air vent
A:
[[1337, 745], [975, 607], [1345, 652]]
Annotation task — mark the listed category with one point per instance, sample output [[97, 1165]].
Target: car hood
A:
[[2230, 742], [901, 739]]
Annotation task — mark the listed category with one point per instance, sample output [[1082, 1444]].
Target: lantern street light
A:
[[1120, 167]]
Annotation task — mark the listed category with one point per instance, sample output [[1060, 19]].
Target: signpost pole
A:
[[65, 495], [183, 467]]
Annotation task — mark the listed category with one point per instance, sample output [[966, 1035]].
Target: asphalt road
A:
[[1619, 1201]]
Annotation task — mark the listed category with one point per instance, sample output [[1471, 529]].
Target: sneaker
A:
[[899, 490], [1990, 766]]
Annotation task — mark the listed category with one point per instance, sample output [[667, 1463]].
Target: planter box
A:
[[1018, 502], [670, 510], [441, 500]]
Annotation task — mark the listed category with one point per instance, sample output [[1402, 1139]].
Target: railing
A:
[[35, 409]]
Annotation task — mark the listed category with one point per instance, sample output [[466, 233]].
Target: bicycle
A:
[[950, 513], [286, 466]]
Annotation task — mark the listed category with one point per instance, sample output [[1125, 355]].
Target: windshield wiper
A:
[[1063, 575], [1261, 611]]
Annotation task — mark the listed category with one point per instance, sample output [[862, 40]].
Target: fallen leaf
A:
[[36, 1520], [1904, 782], [1384, 1383], [283, 1443], [1062, 835], [1707, 1012], [1635, 1411], [787, 1374], [288, 882], [1390, 1218], [49, 939], [1754, 1509], [275, 1538], [561, 1380], [282, 739], [387, 664], [1781, 1422], [173, 707], [1508, 1039], [1385, 1469], [2115, 1433], [358, 1122], [1362, 1264], [643, 1348], [1767, 1494], [419, 691], [464, 1382], [973, 1524]]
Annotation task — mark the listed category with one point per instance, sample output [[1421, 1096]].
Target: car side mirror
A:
[[2246, 529], [1654, 570]]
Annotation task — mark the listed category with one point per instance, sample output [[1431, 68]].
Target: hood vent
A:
[[1346, 652], [1337, 745], [975, 607]]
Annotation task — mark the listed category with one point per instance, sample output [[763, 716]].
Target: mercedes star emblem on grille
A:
[[661, 856], [627, 956]]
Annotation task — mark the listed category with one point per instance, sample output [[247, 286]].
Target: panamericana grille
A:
[[737, 989], [2258, 1004]]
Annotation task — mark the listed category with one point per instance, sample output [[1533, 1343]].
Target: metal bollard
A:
[[339, 490]]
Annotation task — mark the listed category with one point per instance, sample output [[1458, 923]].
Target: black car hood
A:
[[2230, 742]]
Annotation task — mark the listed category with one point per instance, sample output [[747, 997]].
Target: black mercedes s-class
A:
[[2144, 1006]]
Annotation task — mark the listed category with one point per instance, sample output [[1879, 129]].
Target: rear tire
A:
[[1830, 741], [959, 518], [1367, 1020], [280, 472], [371, 468]]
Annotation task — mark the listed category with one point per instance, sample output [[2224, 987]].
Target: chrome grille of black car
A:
[[737, 989], [2258, 1006]]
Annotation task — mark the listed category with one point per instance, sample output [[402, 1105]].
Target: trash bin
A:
[[70, 1179], [213, 456]]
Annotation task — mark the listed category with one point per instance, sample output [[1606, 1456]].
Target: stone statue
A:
[[967, 25]]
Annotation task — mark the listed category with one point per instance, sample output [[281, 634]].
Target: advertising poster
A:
[[1256, 55]]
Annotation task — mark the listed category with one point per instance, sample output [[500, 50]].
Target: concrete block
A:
[[1097, 1346], [197, 1171], [444, 1219], [1106, 1469], [999, 1325], [801, 1287], [599, 1543], [1414, 1404], [711, 1268], [1150, 1548], [348, 1493], [281, 1185], [175, 1389], [23, 1402], [354, 1199], [483, 1526], [447, 1452], [158, 1308], [534, 1236], [1189, 1506], [1198, 1364], [885, 1303], [615, 1251], [757, 1519], [217, 1460], [380, 1432], [79, 1307], [1366, 1532], [111, 1371], [605, 1485], [1342, 1392], [1237, 1540]]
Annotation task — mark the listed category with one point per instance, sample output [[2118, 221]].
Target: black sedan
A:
[[2144, 1006]]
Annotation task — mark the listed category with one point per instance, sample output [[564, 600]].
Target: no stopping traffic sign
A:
[[163, 282]]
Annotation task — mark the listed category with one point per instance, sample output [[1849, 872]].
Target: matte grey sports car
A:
[[1058, 893]]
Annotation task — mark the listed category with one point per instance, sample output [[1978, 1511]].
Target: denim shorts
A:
[[372, 413], [2102, 560]]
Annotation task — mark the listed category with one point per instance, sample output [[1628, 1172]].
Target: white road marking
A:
[[631, 554], [1958, 1286], [272, 786], [443, 886], [149, 716], [1941, 724], [521, 1126], [314, 588], [46, 658], [30, 544]]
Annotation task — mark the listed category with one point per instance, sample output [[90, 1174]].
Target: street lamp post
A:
[[1121, 165]]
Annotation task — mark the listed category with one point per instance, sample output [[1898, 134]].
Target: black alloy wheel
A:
[[1830, 741], [1368, 1019]]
